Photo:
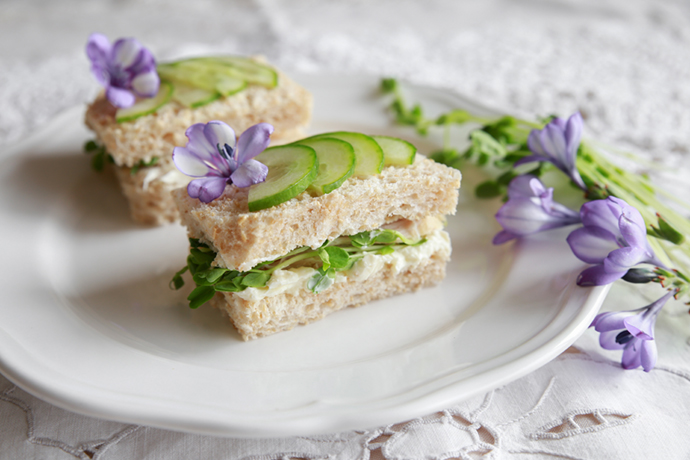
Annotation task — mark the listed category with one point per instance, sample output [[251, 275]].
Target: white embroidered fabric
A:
[[625, 64]]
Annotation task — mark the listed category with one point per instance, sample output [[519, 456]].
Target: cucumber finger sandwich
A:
[[282, 236], [146, 106]]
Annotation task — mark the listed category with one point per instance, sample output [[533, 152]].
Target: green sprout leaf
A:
[[256, 279], [666, 232], [489, 189], [200, 296], [143, 164], [322, 280]]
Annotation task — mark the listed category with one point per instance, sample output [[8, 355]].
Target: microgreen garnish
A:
[[143, 164], [624, 223], [100, 155], [332, 257]]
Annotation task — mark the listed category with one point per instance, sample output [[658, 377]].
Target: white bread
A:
[[242, 238], [266, 316]]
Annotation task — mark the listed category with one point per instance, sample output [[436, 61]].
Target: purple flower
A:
[[211, 153], [614, 237], [126, 69], [557, 143], [530, 209], [633, 332]]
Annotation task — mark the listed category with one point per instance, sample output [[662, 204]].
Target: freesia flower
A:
[[614, 237], [633, 332], [557, 143], [125, 69], [530, 209], [212, 154]]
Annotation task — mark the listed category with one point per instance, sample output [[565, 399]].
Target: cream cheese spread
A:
[[292, 280]]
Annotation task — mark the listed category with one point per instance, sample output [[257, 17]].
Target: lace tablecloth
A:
[[624, 64]]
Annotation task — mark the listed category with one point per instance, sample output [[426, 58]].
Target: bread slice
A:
[[255, 316], [242, 239], [287, 107]]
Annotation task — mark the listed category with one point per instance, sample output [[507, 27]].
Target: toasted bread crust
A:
[[242, 239], [254, 319]]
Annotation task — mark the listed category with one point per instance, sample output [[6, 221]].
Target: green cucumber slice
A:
[[368, 153], [202, 76], [146, 106], [190, 96], [291, 168], [396, 152], [244, 68], [336, 163]]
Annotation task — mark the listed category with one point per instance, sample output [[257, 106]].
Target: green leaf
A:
[[483, 143], [362, 239], [97, 162], [90, 146], [389, 85], [446, 157], [337, 257], [143, 164], [200, 296], [177, 282], [458, 116], [322, 279], [256, 279], [202, 258], [488, 189], [384, 236], [505, 178], [385, 250], [667, 232]]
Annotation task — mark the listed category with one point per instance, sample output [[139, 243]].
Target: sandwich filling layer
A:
[[397, 246], [293, 280]]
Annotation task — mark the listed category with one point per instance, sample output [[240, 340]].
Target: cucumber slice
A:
[[146, 106], [336, 163], [291, 168], [246, 69], [368, 153], [202, 76], [190, 96], [396, 152]]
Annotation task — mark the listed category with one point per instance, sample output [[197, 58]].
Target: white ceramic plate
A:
[[87, 321]]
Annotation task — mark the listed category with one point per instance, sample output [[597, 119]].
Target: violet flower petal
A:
[[632, 227], [218, 133], [503, 237], [120, 97], [610, 320], [530, 159], [525, 186], [522, 216], [631, 354], [198, 143], [98, 48], [535, 146], [648, 355], [188, 163], [573, 133], [207, 189], [253, 141], [601, 213], [624, 258], [607, 340], [249, 173], [597, 275], [125, 52], [553, 141], [146, 84], [591, 244]]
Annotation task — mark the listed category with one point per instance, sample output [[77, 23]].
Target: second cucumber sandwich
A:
[[302, 230]]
